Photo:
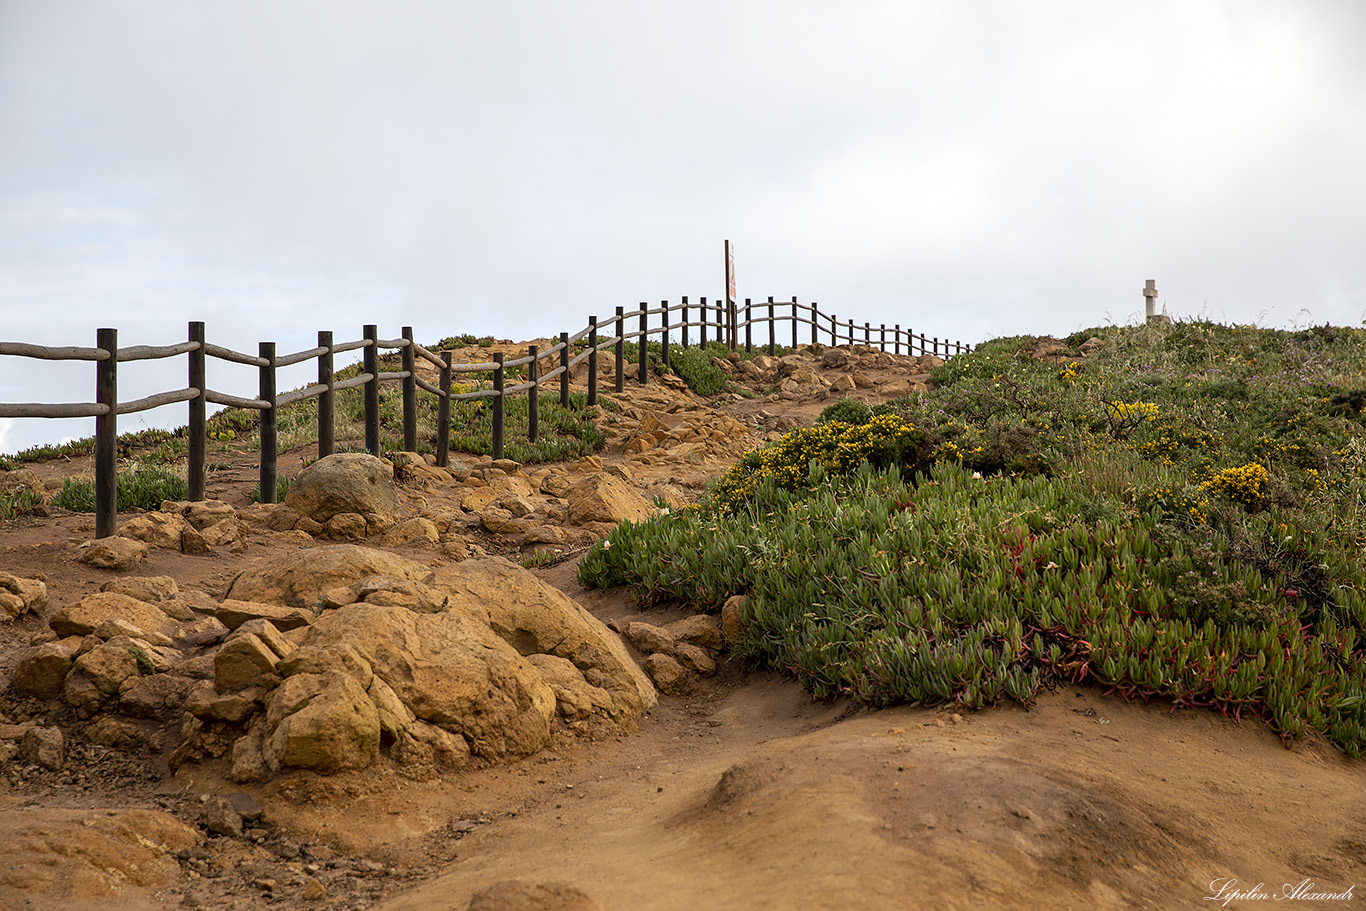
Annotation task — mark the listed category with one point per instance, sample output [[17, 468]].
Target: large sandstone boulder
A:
[[604, 498], [323, 722], [451, 671], [306, 578], [535, 618], [83, 617], [347, 482]]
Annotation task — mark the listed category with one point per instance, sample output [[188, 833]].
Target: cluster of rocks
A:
[[353, 497], [325, 658], [656, 428], [814, 372], [676, 653]]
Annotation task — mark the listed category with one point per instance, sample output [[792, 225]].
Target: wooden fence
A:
[[590, 340]]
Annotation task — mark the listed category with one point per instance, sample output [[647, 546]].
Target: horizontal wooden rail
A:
[[156, 401], [43, 352], [350, 346], [289, 360], [233, 401], [39, 410], [237, 357], [148, 352]]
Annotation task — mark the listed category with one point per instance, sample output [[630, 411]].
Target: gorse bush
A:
[[1180, 516]]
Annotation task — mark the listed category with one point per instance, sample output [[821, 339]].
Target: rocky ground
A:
[[363, 701]]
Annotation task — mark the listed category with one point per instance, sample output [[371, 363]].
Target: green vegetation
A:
[[694, 365], [143, 487], [1178, 517]]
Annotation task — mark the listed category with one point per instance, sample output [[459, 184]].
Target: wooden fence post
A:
[[815, 318], [498, 405], [564, 374], [592, 361], [327, 399], [107, 435], [882, 339], [702, 304], [685, 322], [268, 422], [867, 335], [794, 322], [896, 339], [723, 320], [533, 371], [198, 426], [443, 413], [409, 359], [619, 381], [851, 333], [642, 346], [749, 327], [834, 332], [664, 339], [370, 360], [772, 335]]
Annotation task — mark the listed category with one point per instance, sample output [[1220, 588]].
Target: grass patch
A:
[[1131, 520], [142, 487]]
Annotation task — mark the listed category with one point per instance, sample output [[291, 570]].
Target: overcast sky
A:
[[972, 168]]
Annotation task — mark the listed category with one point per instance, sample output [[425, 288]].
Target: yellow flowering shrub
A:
[[836, 447], [1245, 484]]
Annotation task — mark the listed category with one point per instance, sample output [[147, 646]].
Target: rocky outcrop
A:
[[320, 577]]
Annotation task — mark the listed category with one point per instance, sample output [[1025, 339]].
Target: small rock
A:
[[42, 747], [732, 618], [649, 638], [219, 817], [314, 891], [668, 675], [117, 554]]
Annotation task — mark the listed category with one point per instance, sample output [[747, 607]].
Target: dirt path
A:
[[742, 794]]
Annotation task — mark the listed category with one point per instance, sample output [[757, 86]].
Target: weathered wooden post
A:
[[592, 361], [327, 399], [749, 326], [619, 380], [370, 362], [443, 413], [702, 303], [533, 374], [498, 405], [266, 350], [772, 330], [794, 322], [564, 374], [664, 339], [642, 346], [107, 434], [815, 318], [867, 335], [882, 339], [685, 322], [896, 339], [409, 360], [198, 424]]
